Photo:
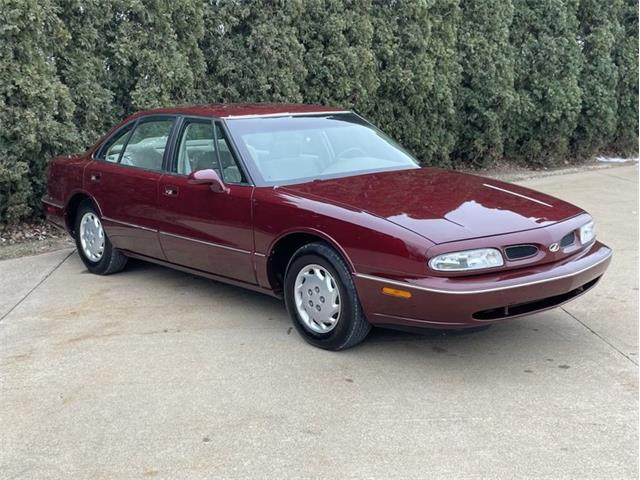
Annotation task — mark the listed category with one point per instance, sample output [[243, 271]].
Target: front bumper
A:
[[461, 302]]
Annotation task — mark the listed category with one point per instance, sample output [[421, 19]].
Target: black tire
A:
[[112, 260], [352, 327]]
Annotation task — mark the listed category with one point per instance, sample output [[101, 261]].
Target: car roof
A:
[[229, 110]]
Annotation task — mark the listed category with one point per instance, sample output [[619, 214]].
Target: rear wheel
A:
[[93, 245], [322, 300]]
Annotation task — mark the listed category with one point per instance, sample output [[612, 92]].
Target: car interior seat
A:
[[287, 160], [203, 160], [146, 157]]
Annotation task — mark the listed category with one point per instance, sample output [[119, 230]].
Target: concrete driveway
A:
[[154, 373]]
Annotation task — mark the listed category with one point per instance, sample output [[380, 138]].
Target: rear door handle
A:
[[170, 190], [95, 177]]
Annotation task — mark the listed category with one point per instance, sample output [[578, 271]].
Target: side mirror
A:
[[208, 177]]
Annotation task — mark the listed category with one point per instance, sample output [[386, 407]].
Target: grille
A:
[[517, 252], [568, 239], [530, 307]]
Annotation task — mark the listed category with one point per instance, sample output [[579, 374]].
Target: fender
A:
[[318, 233], [81, 191]]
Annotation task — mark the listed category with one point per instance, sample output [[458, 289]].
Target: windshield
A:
[[297, 149]]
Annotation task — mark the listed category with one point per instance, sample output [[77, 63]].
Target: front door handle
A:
[[170, 190]]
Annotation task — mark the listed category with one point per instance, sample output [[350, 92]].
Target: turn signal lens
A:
[[467, 260], [394, 292]]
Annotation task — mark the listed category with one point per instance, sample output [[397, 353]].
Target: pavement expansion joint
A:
[[35, 287], [599, 336]]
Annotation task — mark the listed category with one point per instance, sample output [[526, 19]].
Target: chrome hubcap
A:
[[91, 236], [317, 298]]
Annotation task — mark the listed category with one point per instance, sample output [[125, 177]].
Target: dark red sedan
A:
[[316, 205]]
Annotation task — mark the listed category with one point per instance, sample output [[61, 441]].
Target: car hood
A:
[[441, 205]]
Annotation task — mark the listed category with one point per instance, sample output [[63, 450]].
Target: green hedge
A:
[[460, 83]]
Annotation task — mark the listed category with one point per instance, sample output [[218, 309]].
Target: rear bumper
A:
[[54, 212], [467, 302]]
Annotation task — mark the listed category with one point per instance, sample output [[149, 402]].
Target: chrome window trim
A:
[[132, 225], [52, 203], [486, 290], [226, 247], [416, 320], [182, 237]]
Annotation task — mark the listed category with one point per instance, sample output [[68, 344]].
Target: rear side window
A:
[[145, 149]]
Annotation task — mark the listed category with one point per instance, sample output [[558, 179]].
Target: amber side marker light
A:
[[394, 292]]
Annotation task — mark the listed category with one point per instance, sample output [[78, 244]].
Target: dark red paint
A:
[[442, 205], [385, 225]]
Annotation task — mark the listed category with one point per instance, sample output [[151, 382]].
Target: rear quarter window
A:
[[110, 150]]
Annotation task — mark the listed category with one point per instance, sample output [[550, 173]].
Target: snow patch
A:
[[615, 159]]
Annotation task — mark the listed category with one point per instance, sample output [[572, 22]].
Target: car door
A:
[[123, 178], [199, 228]]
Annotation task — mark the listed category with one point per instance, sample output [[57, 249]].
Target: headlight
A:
[[467, 260], [587, 233]]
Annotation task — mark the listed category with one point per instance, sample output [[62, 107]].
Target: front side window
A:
[[295, 149], [145, 148], [196, 150], [203, 146]]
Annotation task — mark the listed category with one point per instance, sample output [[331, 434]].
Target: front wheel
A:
[[93, 245], [322, 300]]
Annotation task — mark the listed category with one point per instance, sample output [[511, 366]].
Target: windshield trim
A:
[[285, 114], [325, 178]]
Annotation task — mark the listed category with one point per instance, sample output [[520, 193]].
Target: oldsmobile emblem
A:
[[554, 247]]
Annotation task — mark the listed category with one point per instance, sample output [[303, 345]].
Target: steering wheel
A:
[[352, 150]]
